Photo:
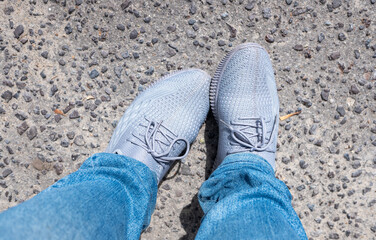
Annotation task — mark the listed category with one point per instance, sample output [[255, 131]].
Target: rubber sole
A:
[[213, 92]]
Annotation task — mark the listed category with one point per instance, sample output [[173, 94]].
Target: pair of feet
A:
[[161, 123]]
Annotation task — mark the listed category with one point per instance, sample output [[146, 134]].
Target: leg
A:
[[243, 200], [110, 197]]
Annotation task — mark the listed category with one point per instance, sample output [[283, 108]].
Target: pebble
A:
[[70, 135], [7, 172], [356, 174], [334, 56], [68, 29], [298, 47], [321, 38], [7, 96], [269, 38], [79, 140], [325, 94], [18, 31], [341, 111], [341, 37], [221, 43], [94, 74], [250, 5], [32, 133], [22, 128], [354, 89], [74, 115], [120, 27], [192, 9], [133, 34], [266, 13], [44, 54]]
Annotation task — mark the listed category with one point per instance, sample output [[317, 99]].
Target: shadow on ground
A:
[[191, 215]]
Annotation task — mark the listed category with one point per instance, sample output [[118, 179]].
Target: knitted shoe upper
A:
[[157, 126], [245, 103]]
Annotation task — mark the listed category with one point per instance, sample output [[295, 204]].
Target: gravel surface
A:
[[69, 69]]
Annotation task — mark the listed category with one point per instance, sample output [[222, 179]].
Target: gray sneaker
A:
[[163, 120], [244, 100]]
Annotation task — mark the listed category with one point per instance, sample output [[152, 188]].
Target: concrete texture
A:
[[69, 69]]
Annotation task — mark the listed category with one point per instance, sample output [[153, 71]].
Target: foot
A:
[[162, 122], [244, 100]]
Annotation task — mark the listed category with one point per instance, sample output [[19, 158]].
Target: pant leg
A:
[[242, 199], [109, 197]]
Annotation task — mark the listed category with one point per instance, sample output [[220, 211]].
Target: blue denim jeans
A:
[[113, 197]]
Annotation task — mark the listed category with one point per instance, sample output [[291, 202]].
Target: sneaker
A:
[[162, 122], [244, 100]]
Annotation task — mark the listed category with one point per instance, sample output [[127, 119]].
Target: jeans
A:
[[113, 197]]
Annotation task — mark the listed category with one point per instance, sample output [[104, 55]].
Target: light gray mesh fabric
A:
[[245, 103], [157, 126]]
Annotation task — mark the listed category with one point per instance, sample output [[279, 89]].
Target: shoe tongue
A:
[[136, 152]]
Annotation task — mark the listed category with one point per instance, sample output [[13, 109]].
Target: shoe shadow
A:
[[191, 215]]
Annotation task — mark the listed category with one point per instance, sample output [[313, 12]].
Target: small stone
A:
[[341, 37], [7, 172], [193, 9], [68, 29], [44, 54], [358, 109], [269, 38], [54, 89], [318, 143], [70, 135], [321, 37], [266, 13], [133, 34], [356, 174], [58, 118], [79, 2], [325, 95], [334, 56], [341, 111], [27, 97], [74, 115], [250, 5], [336, 4], [7, 96], [79, 140], [21, 116], [59, 168], [22, 128], [18, 31], [356, 54], [171, 28], [298, 47], [32, 133], [154, 40], [354, 90], [120, 27], [303, 164], [288, 2], [118, 71], [125, 4], [221, 43], [94, 74]]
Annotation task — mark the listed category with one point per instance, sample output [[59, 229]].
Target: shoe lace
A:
[[159, 136], [250, 141]]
